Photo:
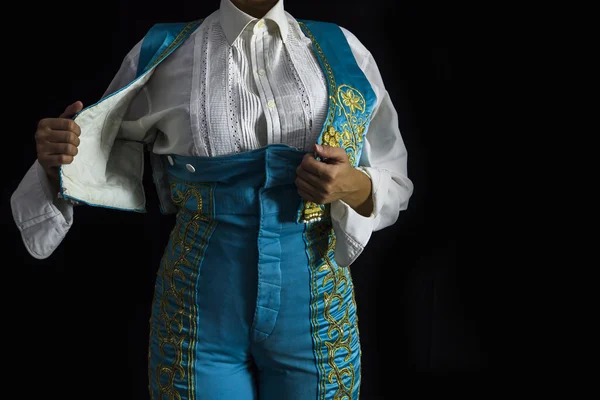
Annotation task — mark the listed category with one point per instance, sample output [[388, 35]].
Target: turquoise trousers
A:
[[249, 303]]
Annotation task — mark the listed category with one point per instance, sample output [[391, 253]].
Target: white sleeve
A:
[[42, 218], [384, 160]]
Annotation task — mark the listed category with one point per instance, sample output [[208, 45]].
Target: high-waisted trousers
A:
[[249, 302]]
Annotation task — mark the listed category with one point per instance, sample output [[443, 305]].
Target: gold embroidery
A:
[[349, 99], [343, 99], [356, 329], [354, 127], [178, 275], [312, 236], [339, 329], [332, 137], [312, 212]]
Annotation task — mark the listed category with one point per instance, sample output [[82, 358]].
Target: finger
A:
[[62, 137], [59, 124], [55, 160], [64, 124], [60, 148], [44, 136], [72, 109], [311, 165], [306, 186], [332, 154], [313, 179]]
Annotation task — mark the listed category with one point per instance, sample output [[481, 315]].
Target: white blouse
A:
[[238, 84]]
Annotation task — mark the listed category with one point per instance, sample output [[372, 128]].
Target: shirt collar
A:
[[234, 21]]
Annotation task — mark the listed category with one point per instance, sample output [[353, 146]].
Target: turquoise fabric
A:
[[249, 302]]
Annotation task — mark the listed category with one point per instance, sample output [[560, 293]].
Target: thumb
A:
[[330, 153], [71, 110]]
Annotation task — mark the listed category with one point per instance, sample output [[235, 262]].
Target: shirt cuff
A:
[[40, 216], [352, 229]]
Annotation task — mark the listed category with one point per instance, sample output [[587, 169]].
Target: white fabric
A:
[[235, 85], [107, 172]]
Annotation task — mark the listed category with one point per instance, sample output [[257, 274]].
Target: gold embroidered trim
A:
[[343, 99], [184, 236], [339, 331]]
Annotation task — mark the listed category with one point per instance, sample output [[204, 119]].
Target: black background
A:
[[78, 320]]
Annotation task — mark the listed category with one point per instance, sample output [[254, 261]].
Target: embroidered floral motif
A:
[[351, 100], [347, 132]]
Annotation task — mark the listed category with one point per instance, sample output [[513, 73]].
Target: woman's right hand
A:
[[57, 140]]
